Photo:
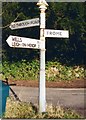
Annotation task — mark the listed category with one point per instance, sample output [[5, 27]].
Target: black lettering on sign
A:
[[38, 44], [60, 33], [50, 33], [15, 44], [24, 44], [19, 24], [26, 23], [13, 38], [54, 33], [32, 22], [37, 21], [31, 45], [16, 39], [13, 26], [57, 33]]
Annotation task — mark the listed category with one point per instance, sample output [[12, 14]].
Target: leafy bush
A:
[[16, 109], [24, 70], [55, 70], [21, 70]]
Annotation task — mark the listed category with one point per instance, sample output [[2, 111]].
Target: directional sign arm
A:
[[56, 33], [22, 42], [24, 24]]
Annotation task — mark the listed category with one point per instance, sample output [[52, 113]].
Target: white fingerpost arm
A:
[[42, 91]]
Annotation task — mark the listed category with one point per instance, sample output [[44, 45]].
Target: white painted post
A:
[[42, 91]]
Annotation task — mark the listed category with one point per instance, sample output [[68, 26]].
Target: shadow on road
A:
[[13, 93]]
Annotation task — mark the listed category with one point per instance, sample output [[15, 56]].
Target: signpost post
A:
[[42, 91], [21, 42]]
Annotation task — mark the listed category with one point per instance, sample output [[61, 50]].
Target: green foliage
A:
[[55, 70], [21, 70], [30, 71], [16, 109]]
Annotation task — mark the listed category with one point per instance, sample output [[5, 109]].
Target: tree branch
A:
[[9, 24]]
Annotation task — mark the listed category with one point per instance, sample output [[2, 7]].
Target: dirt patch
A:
[[79, 83]]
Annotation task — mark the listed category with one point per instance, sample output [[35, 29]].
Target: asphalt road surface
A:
[[67, 98]]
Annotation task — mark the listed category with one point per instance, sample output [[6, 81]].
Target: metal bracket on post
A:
[[42, 91]]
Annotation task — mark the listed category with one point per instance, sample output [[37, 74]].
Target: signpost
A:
[[25, 24], [42, 91], [22, 42], [56, 33]]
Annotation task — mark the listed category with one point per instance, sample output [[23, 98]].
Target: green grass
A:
[[24, 70], [16, 109]]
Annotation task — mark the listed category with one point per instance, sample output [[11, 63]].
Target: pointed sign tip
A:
[[8, 41]]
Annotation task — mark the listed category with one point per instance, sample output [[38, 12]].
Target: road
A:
[[67, 98]]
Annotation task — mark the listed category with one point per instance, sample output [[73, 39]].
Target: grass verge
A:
[[16, 109]]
